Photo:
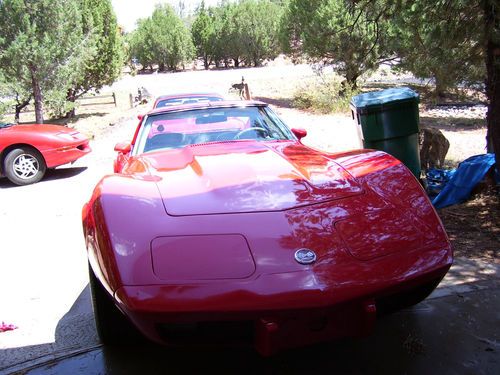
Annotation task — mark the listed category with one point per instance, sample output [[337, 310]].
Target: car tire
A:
[[24, 166], [113, 327]]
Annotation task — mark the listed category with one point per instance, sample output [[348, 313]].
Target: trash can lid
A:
[[379, 98]]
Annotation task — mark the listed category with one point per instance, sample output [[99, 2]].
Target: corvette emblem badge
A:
[[305, 256]]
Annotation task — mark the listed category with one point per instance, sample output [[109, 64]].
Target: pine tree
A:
[[44, 39]]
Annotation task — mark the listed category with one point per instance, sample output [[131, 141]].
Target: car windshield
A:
[[186, 100], [5, 125], [178, 129]]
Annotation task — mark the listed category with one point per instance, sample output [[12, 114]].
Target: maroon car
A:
[[221, 226]]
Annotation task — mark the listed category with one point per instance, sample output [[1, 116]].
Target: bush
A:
[[324, 94]]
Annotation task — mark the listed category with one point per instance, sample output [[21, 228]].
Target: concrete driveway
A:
[[455, 331]]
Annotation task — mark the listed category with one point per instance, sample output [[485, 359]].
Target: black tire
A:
[[113, 327], [24, 166]]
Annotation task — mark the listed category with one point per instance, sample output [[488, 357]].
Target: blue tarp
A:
[[437, 180], [468, 174]]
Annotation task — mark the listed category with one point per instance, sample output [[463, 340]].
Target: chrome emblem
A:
[[305, 256]]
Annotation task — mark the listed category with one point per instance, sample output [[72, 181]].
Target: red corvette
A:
[[26, 151], [221, 226]]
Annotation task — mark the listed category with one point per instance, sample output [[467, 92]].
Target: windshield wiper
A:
[[5, 125]]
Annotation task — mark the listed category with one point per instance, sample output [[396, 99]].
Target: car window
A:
[[188, 100], [178, 129]]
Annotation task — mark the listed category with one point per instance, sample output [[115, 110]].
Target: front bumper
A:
[[66, 154], [285, 309]]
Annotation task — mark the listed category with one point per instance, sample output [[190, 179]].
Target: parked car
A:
[[188, 98], [26, 151], [221, 225]]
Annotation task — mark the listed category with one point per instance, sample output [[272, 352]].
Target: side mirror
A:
[[299, 133], [140, 117], [123, 147]]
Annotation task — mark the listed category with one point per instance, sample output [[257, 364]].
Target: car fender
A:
[[393, 181], [116, 230]]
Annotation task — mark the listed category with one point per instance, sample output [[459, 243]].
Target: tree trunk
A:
[[206, 63], [19, 107], [352, 74], [236, 62], [37, 96], [351, 79], [440, 90], [71, 97], [492, 29]]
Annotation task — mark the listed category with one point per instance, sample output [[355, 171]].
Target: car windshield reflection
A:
[[187, 100], [182, 128]]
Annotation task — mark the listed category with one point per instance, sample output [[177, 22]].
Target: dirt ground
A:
[[474, 226]]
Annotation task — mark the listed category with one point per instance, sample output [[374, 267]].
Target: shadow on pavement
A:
[[74, 330], [50, 175], [458, 333]]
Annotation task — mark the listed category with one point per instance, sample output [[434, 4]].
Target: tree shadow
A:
[[277, 102], [453, 124], [474, 226], [428, 96], [65, 121]]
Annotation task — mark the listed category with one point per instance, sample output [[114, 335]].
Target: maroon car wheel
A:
[[24, 166], [112, 326]]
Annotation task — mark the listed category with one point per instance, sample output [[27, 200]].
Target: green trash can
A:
[[388, 121]]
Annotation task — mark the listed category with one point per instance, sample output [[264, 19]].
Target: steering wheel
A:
[[254, 128]]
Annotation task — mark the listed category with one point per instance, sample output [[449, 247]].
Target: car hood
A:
[[46, 129], [245, 176]]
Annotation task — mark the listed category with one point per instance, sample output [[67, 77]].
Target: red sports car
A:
[[26, 151], [188, 98], [222, 226]]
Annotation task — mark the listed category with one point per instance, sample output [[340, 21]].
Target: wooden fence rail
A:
[[83, 102], [82, 99]]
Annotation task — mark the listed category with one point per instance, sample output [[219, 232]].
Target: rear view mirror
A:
[[299, 133], [123, 147]]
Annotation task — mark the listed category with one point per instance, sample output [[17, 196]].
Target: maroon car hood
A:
[[246, 176]]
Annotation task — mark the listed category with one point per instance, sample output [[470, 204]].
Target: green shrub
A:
[[325, 94]]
